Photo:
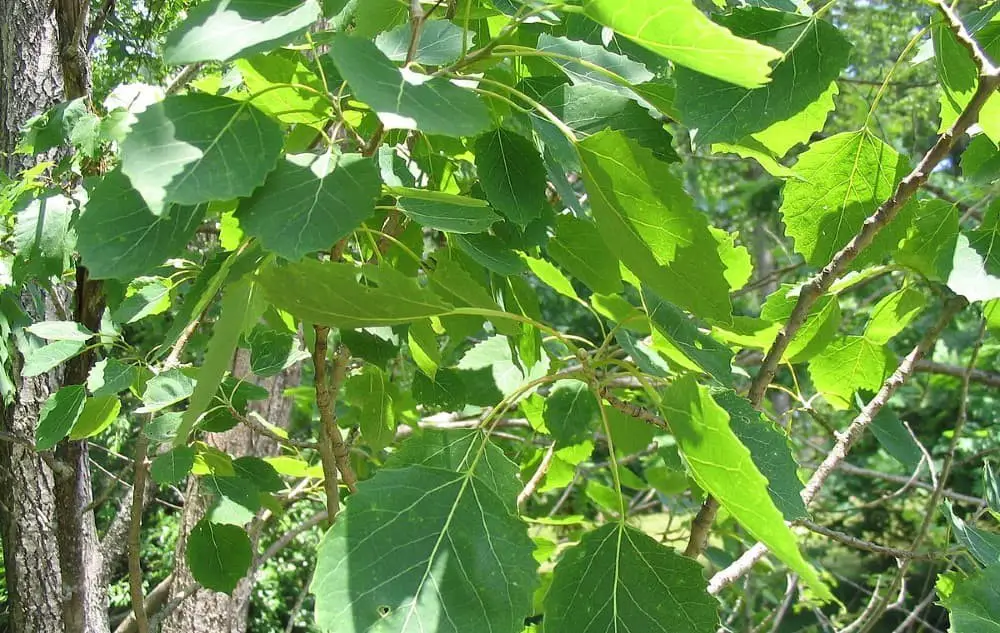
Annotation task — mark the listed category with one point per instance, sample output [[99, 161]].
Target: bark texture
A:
[[207, 611], [30, 82], [49, 540]]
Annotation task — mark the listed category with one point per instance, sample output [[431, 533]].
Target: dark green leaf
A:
[[512, 175], [463, 556], [721, 111], [330, 294], [959, 75], [43, 239], [110, 377], [929, 246], [310, 202], [404, 99], [181, 150], [652, 588], [685, 337], [577, 246], [119, 238], [151, 297], [570, 412], [58, 415], [218, 555], [888, 429], [273, 351], [445, 211], [619, 71], [984, 546], [490, 252], [456, 450], [220, 30], [173, 466], [370, 392], [262, 474]]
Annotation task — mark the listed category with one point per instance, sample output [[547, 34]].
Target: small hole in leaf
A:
[[383, 611]]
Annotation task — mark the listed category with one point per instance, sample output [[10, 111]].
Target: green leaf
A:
[[494, 356], [457, 450], [441, 42], [259, 472], [991, 483], [684, 336], [163, 428], [166, 389], [310, 202], [984, 546], [577, 246], [489, 252], [512, 175], [119, 238], [43, 239], [173, 466], [973, 271], [844, 178], [237, 306], [974, 603], [330, 294], [49, 357], [551, 276], [782, 136], [959, 75], [770, 451], [847, 365], [370, 392], [677, 30], [619, 579], [619, 69], [151, 296], [58, 415], [404, 99], [893, 313], [888, 429], [98, 414], [444, 211], [273, 351], [570, 412], [236, 500], [720, 111], [930, 243], [53, 127], [589, 109], [221, 30], [462, 558], [60, 331], [819, 329], [981, 160], [651, 225], [724, 468], [423, 344], [218, 555], [181, 150], [274, 80], [109, 377]]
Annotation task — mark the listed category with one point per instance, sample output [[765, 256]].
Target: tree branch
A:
[[846, 439], [135, 526], [989, 80]]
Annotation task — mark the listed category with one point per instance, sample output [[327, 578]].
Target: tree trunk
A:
[[207, 611], [31, 81], [49, 537]]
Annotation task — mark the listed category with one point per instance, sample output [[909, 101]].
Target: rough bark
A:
[[207, 611], [30, 82], [54, 553]]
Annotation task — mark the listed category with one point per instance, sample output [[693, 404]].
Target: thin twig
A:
[[333, 451], [857, 543], [543, 467], [182, 79], [134, 532]]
